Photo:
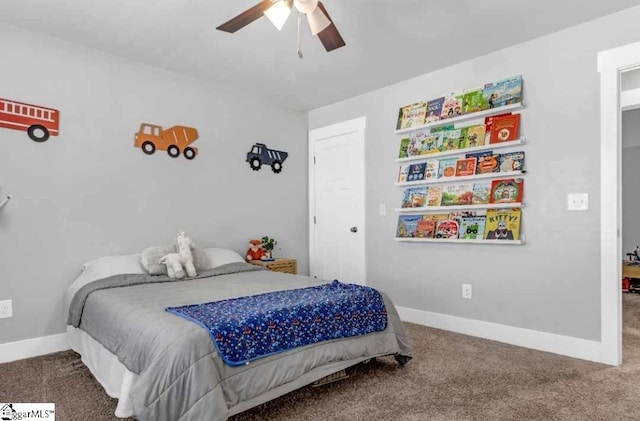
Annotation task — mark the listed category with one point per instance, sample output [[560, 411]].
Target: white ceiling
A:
[[387, 41]]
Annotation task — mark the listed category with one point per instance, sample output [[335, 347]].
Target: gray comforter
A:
[[181, 376]]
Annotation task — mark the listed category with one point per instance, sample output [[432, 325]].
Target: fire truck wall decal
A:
[[39, 122], [260, 154], [174, 140]]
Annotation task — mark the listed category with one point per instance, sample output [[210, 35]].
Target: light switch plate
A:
[[6, 309], [578, 201], [383, 209]]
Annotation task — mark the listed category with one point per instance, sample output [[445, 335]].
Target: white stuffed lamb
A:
[[175, 261]]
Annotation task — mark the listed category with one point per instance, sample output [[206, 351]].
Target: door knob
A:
[[354, 229]]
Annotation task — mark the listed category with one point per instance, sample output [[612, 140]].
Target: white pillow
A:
[[219, 257], [104, 267]]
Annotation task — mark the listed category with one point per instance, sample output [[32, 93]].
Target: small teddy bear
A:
[[255, 251]]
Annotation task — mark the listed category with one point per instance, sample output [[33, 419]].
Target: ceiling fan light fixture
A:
[[318, 21], [305, 6], [278, 13]]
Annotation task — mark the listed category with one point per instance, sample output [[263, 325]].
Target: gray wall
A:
[[551, 283], [630, 179], [89, 193]]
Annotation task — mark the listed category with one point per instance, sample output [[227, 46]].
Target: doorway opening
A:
[[612, 65]]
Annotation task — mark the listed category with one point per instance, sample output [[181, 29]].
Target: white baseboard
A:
[[542, 341], [33, 347]]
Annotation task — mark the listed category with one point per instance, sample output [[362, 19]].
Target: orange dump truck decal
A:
[[174, 140]]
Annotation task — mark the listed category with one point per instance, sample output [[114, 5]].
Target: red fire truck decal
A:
[[39, 122]]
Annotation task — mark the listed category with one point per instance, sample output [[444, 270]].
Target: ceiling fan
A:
[[277, 11]]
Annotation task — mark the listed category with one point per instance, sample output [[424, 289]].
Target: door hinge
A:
[[314, 219], [314, 160]]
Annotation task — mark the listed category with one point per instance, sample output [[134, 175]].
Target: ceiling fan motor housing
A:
[[305, 6]]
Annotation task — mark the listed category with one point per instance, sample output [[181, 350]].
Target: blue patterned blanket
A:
[[246, 328]]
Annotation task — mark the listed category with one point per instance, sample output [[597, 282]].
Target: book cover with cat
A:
[[502, 224]]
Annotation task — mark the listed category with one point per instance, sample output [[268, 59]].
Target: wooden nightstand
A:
[[282, 264]]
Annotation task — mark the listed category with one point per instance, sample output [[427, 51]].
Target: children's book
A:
[[450, 140], [434, 109], [473, 101], [431, 143], [475, 136], [465, 166], [452, 105], [488, 124], [426, 227], [503, 92], [457, 194], [508, 190], [447, 228], [502, 224], [505, 128], [472, 227], [404, 144], [434, 195], [414, 197], [447, 167], [462, 141], [481, 192], [412, 115], [416, 171], [407, 225], [415, 142], [486, 161], [403, 172], [511, 161], [458, 215], [431, 169]]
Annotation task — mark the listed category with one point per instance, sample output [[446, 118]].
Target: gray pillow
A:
[[151, 259]]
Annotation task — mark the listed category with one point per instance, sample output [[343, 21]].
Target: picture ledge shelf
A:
[[426, 209], [459, 241], [505, 174], [465, 117], [463, 151]]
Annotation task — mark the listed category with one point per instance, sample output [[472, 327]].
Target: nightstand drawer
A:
[[284, 264]]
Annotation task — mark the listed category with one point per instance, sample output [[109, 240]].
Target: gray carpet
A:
[[452, 377]]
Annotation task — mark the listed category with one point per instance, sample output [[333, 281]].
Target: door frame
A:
[[611, 63], [356, 125]]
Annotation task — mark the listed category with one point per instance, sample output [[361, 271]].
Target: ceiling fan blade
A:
[[330, 37], [246, 17]]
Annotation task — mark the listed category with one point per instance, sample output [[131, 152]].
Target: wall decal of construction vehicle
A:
[[39, 122], [174, 140], [260, 154]]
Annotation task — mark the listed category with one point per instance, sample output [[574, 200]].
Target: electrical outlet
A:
[[578, 201], [466, 291], [6, 309]]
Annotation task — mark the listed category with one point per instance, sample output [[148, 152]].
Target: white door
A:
[[336, 202]]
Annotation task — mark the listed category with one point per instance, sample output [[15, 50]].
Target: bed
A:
[[163, 367]]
